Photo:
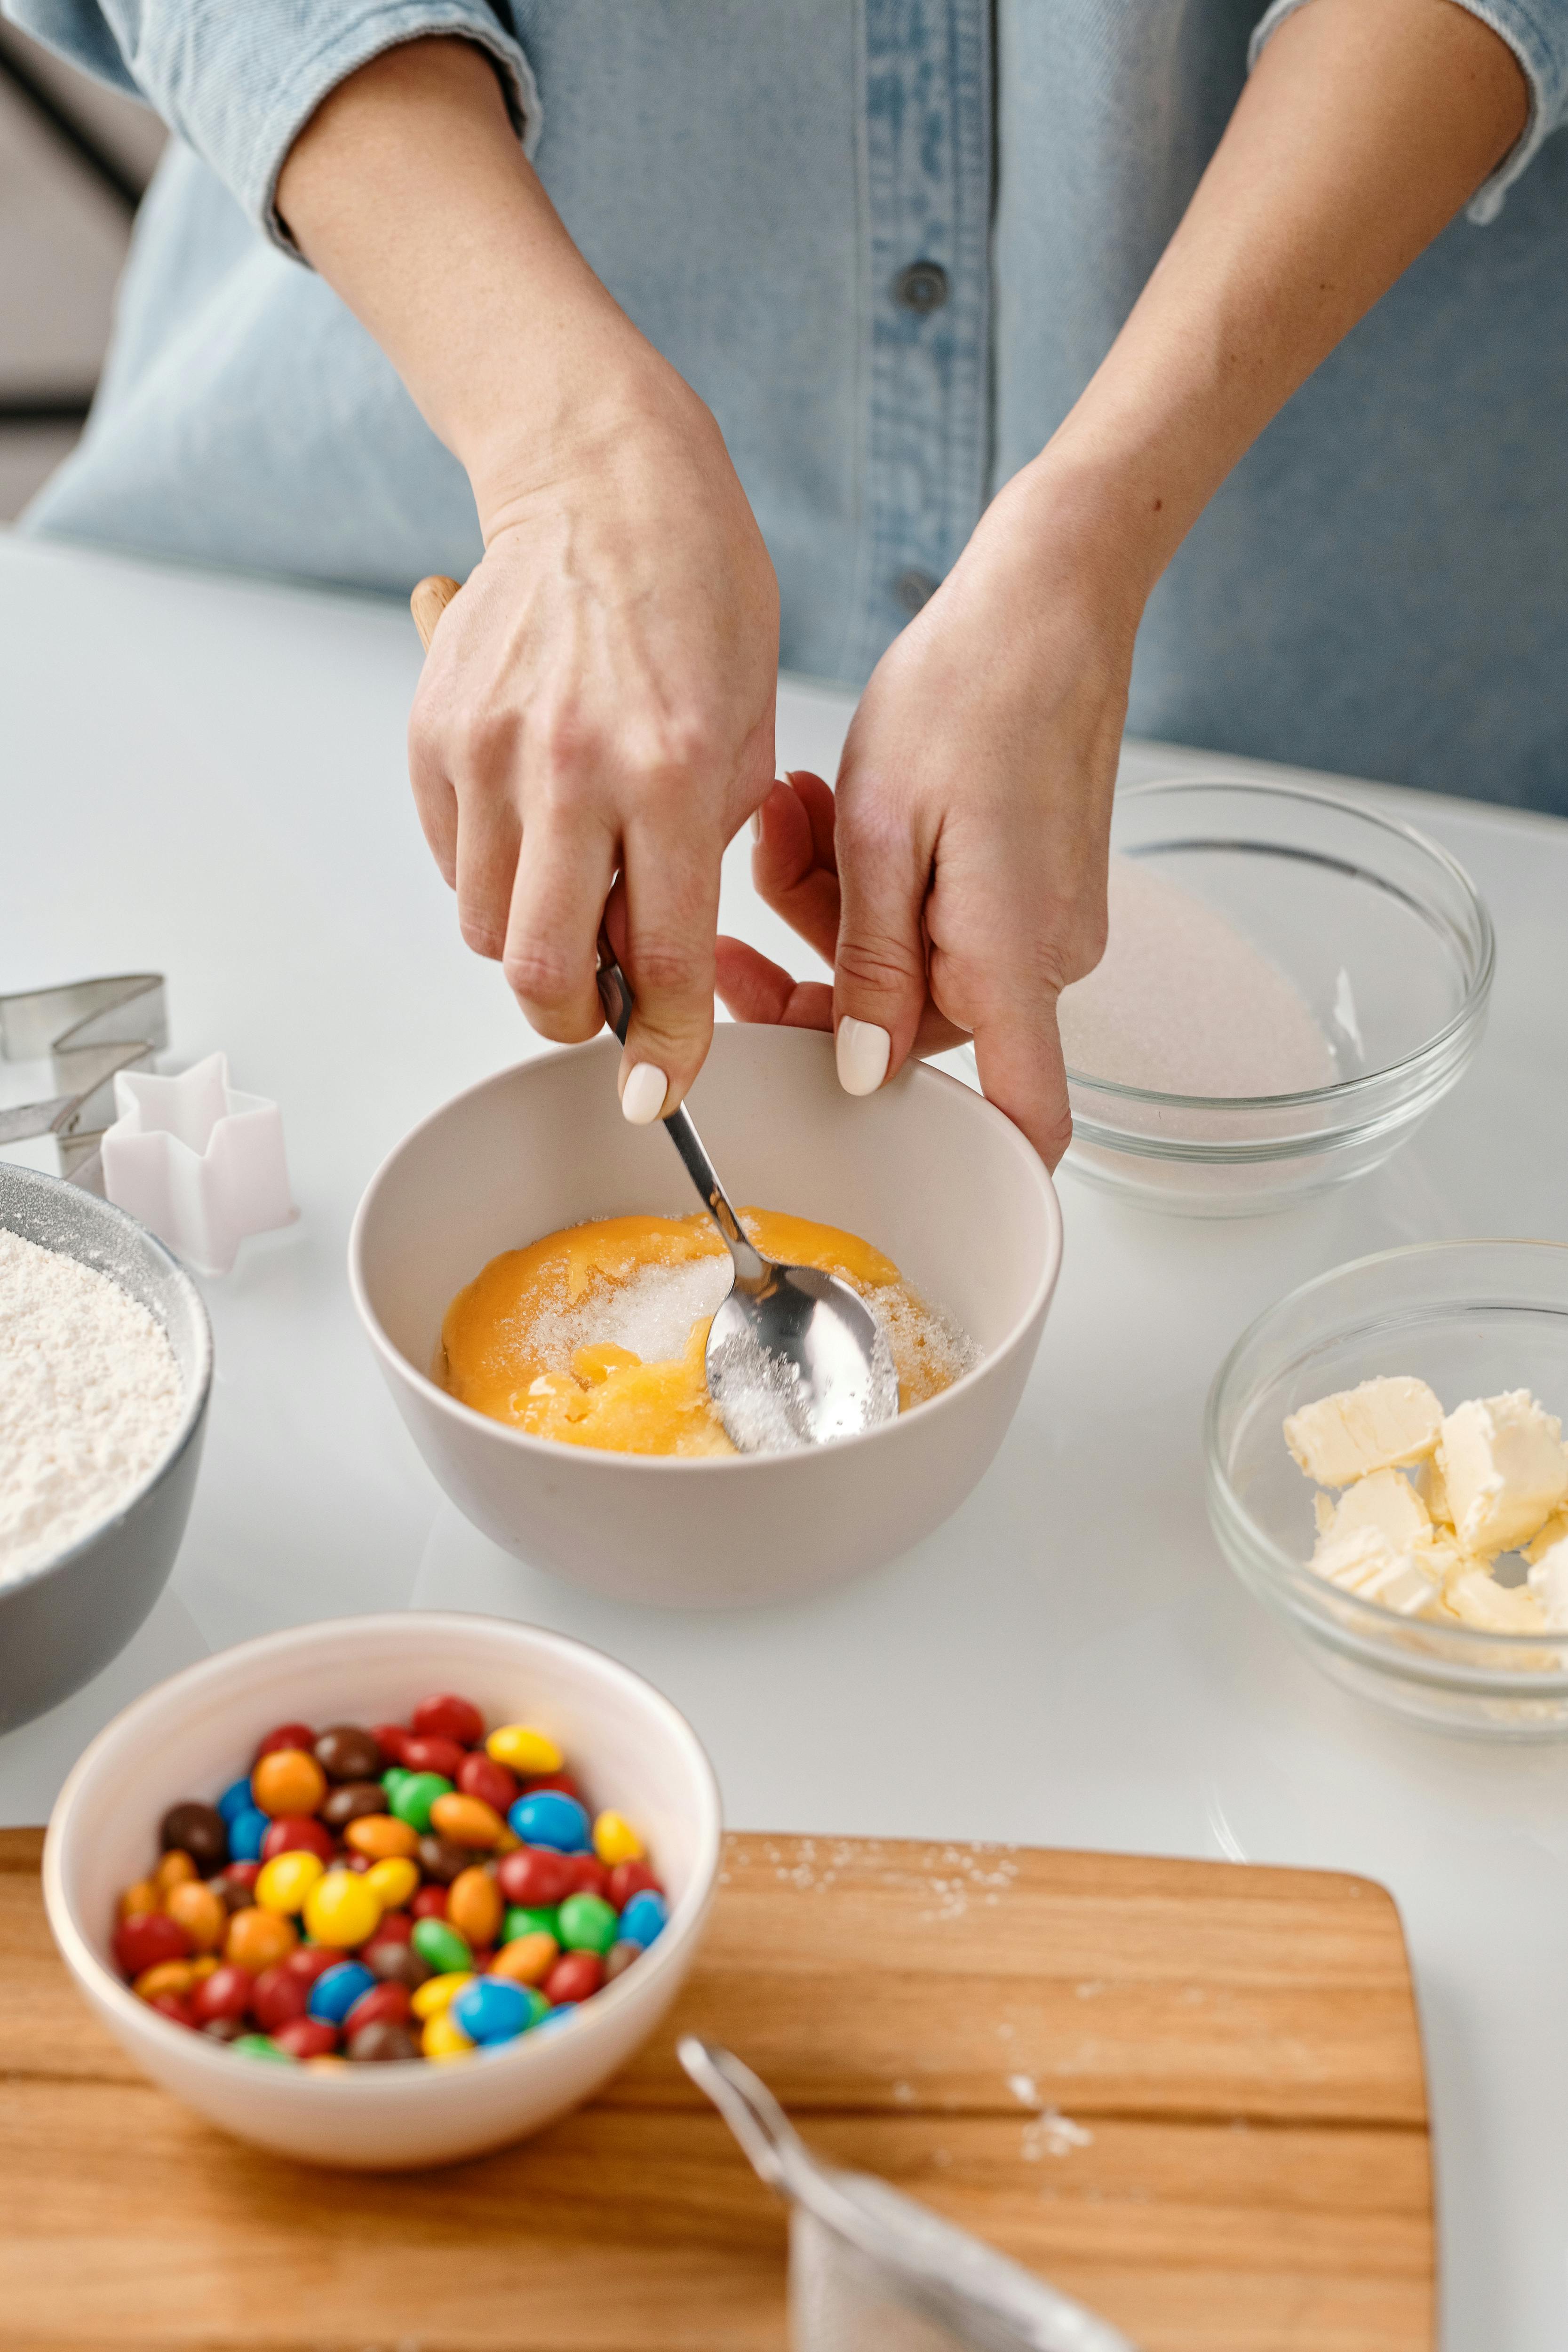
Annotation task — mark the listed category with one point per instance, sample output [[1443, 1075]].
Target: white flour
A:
[[1182, 1004], [91, 1398]]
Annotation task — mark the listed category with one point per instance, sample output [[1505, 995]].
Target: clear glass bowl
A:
[[1472, 1318], [1384, 936]]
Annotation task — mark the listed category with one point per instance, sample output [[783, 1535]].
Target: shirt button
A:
[[914, 589], [922, 287]]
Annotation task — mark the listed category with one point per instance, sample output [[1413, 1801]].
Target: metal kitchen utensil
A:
[[794, 1356], [79, 1036], [872, 2271]]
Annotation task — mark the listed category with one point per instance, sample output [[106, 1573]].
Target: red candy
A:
[[172, 2006], [577, 1976], [288, 1734], [561, 1780], [147, 1938], [308, 1961], [298, 1834], [430, 1902], [396, 1927], [241, 1874], [225, 1993], [629, 1878], [384, 2004], [535, 1876], [433, 1754], [390, 1738], [451, 1718], [280, 1995], [589, 1875], [307, 2037], [480, 1776]]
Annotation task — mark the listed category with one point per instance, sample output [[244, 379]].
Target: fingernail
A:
[[862, 1050], [642, 1097], [757, 824]]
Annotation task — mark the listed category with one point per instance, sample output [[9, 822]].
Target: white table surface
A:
[[207, 777]]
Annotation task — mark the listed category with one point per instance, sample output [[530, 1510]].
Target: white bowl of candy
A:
[[1422, 1559], [261, 1940]]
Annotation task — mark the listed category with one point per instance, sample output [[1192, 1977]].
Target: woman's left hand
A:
[[956, 879]]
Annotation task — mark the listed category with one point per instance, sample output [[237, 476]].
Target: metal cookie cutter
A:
[[868, 2266], [81, 1036]]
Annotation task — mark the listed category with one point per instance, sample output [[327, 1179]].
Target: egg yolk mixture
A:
[[542, 1337]]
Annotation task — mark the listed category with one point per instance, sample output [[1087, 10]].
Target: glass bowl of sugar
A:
[[1293, 980]]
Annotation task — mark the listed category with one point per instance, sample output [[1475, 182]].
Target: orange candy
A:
[[202, 1913], [174, 1869], [259, 1939], [466, 1820], [527, 1959], [474, 1906], [169, 1976], [383, 1837], [288, 1781], [141, 1898]]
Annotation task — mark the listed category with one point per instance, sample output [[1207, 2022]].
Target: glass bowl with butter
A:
[[1387, 1472], [1292, 981]]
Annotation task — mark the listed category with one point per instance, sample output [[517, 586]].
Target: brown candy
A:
[[395, 1963], [442, 1861], [352, 1801], [381, 2042], [199, 1831], [348, 1752], [618, 1959], [226, 2029], [233, 1892]]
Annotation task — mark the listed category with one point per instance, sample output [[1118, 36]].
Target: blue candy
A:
[[236, 1799], [642, 1919], [335, 1991], [550, 1817], [245, 1831], [494, 2009], [562, 2015]]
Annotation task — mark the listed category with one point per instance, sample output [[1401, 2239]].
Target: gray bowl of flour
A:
[[105, 1367]]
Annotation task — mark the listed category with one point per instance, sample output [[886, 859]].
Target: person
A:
[[952, 348]]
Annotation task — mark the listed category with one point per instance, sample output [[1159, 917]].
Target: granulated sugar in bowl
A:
[[1292, 981]]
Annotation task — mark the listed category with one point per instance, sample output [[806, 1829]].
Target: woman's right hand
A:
[[599, 698]]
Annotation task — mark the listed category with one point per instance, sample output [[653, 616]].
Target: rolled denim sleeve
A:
[[1538, 35], [238, 79]]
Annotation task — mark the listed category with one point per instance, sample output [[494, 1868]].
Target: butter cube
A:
[[1364, 1561], [1386, 1502], [1382, 1425], [1549, 1581], [1477, 1598], [1505, 1467], [1428, 1482], [1555, 1531]]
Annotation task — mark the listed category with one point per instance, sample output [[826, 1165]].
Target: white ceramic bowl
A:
[[925, 1169], [191, 1736]]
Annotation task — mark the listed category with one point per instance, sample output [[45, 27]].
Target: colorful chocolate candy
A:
[[420, 1890]]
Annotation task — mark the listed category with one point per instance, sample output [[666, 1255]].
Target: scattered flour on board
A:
[[91, 1398], [1182, 1004]]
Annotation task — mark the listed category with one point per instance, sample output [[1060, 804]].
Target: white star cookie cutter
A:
[[200, 1163]]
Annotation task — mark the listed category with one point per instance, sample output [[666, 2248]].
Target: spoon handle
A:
[[753, 1271]]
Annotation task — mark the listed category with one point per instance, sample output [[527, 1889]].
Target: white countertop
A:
[[207, 778]]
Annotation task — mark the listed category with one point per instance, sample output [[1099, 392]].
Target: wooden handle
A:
[[428, 602]]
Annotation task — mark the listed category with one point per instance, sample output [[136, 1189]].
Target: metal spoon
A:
[[794, 1356]]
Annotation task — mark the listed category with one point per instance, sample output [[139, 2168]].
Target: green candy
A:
[[538, 2006], [522, 1920], [414, 1796], [261, 2045], [587, 1924], [393, 1777], [441, 1947]]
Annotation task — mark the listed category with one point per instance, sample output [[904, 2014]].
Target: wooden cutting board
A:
[[1190, 2093]]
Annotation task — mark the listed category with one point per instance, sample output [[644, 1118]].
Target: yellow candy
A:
[[523, 1750], [286, 1881], [615, 1840], [443, 2040], [437, 1993], [342, 1908], [394, 1880]]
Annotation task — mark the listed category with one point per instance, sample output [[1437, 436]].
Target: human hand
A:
[[956, 881], [599, 700]]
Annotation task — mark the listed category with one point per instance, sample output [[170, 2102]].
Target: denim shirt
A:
[[887, 241]]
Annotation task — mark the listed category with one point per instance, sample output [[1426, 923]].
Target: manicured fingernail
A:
[[862, 1049], [757, 824], [642, 1097]]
